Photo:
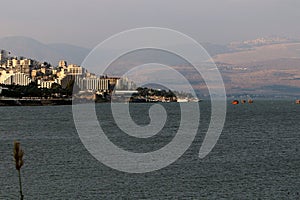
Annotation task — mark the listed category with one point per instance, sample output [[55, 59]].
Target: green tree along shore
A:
[[33, 91], [152, 92]]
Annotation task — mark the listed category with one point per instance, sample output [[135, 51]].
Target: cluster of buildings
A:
[[266, 41], [261, 42], [23, 71]]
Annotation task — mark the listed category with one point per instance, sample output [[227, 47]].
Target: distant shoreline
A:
[[58, 102]]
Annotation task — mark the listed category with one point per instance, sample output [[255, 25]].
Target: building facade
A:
[[18, 79]]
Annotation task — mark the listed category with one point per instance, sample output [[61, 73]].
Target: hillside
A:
[[265, 70], [259, 54], [30, 48], [270, 68]]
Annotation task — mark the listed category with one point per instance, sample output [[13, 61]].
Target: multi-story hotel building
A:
[[18, 79], [94, 84]]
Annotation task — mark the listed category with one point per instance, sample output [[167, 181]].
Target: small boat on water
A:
[[182, 100], [243, 101], [195, 100], [235, 102], [298, 101], [250, 101]]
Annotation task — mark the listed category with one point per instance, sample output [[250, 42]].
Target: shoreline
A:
[[35, 102], [57, 102]]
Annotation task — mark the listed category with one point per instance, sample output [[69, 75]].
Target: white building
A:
[[18, 79], [45, 84], [75, 70], [62, 63], [125, 84], [4, 74], [93, 84]]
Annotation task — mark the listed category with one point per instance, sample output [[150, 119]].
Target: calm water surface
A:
[[257, 156]]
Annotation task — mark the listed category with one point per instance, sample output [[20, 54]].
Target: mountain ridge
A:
[[53, 52], [266, 69]]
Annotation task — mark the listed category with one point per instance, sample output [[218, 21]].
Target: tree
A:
[[72, 87], [18, 156]]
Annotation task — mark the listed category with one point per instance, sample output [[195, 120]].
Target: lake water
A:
[[257, 156]]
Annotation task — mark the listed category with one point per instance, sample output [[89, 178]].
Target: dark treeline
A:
[[144, 92], [32, 90]]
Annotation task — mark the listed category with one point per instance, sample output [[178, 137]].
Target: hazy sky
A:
[[88, 22]]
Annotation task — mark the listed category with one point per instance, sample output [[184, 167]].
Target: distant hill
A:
[[31, 48], [259, 54], [268, 70], [266, 67], [215, 49]]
